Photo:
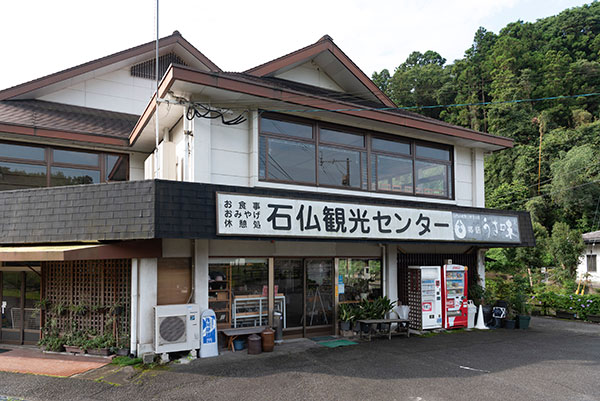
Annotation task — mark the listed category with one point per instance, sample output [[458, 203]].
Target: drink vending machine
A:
[[454, 293], [424, 297]]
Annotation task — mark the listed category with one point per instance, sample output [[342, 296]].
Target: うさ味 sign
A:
[[251, 215]]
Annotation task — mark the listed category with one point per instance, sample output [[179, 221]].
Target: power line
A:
[[516, 101]]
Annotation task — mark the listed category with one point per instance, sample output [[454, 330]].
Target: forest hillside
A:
[[514, 69]]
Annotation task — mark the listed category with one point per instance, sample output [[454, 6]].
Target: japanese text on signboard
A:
[[267, 216]]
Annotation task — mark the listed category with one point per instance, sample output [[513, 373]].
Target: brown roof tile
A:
[[63, 117]]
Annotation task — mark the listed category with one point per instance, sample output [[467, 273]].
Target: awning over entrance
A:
[[95, 251]]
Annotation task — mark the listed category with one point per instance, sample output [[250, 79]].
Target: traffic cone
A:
[[480, 324]]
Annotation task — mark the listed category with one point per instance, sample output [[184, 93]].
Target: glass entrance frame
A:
[[20, 294]]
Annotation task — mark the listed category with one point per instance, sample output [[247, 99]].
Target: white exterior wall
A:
[[590, 249], [311, 74], [136, 166], [116, 91], [463, 180]]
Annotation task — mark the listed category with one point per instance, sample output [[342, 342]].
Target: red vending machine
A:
[[454, 291]]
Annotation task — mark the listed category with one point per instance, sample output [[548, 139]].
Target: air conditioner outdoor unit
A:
[[176, 328]]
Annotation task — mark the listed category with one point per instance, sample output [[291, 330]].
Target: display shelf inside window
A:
[[219, 294]]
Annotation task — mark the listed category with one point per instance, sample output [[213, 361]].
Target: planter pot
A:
[[344, 326], [365, 327], [356, 327], [509, 324], [74, 350], [385, 327], [565, 315], [524, 321], [123, 352], [594, 318], [239, 344], [99, 351], [487, 314]]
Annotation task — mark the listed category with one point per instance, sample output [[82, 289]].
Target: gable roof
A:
[[325, 44], [277, 90], [174, 39]]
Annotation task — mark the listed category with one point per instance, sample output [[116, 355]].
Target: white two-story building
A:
[[292, 187]]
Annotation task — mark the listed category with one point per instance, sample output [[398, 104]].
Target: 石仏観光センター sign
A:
[[250, 215]]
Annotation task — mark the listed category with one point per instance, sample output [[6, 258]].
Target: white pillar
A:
[[201, 274], [392, 272], [481, 266], [253, 146], [148, 286], [134, 306]]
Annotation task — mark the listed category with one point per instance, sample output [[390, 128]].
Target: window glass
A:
[[22, 152], [364, 173], [591, 263], [291, 161], [289, 280], [286, 128], [60, 176], [343, 138], [116, 168], [339, 167], [361, 277], [262, 158], [18, 176], [394, 174], [72, 157], [390, 146], [433, 153], [432, 178]]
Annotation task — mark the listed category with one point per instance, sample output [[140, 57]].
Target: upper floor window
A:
[[591, 263], [29, 166], [313, 153]]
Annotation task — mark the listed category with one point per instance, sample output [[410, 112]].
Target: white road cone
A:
[[480, 324]]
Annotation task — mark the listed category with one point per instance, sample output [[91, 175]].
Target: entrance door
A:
[[19, 293], [307, 285], [319, 303]]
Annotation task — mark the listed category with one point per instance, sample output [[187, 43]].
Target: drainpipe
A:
[[384, 269]]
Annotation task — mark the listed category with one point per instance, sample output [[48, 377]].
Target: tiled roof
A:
[[336, 96], [592, 236], [63, 117]]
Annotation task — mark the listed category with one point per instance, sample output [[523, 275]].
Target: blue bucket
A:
[[239, 344]]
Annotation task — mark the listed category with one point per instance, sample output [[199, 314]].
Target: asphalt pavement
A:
[[553, 360]]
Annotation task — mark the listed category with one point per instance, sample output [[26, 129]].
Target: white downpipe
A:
[[134, 306], [156, 98]]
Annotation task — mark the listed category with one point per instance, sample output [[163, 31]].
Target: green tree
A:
[[576, 184], [566, 246]]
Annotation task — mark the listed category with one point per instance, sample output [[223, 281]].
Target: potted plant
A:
[[346, 316], [59, 309], [384, 306], [116, 309], [79, 310], [367, 312], [75, 342], [100, 345]]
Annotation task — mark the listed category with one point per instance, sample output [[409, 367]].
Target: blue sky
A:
[[41, 37]]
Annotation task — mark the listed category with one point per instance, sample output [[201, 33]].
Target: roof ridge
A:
[[46, 80]]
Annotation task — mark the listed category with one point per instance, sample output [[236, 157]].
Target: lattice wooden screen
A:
[[96, 284]]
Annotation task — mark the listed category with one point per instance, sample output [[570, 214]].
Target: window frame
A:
[[367, 150], [49, 162], [593, 257]]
